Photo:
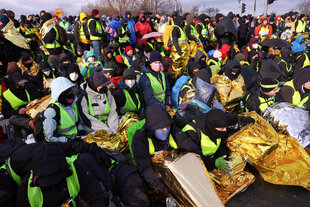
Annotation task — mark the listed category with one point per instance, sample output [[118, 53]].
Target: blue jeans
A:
[[96, 44]]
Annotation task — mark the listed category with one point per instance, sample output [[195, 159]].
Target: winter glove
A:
[[103, 158], [242, 120], [222, 164]]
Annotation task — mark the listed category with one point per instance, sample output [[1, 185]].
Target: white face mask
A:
[[255, 46], [91, 59], [130, 83], [47, 73], [74, 76], [220, 58]]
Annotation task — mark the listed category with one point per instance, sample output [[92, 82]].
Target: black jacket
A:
[[49, 38]]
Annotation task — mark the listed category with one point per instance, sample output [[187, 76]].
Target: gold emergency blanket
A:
[[188, 180], [280, 159], [46, 27], [179, 62], [117, 141], [233, 182], [37, 106], [229, 93], [34, 69], [10, 33], [194, 47]]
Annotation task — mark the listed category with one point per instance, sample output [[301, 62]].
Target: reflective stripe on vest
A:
[[150, 44], [301, 26], [14, 101], [67, 126], [126, 61], [35, 195], [55, 43], [181, 39], [172, 144], [99, 29], [208, 147], [296, 99], [204, 30], [105, 115], [125, 38], [288, 69], [193, 31], [264, 31], [130, 105], [159, 89]]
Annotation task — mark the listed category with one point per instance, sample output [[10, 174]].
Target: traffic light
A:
[[270, 1], [243, 8]]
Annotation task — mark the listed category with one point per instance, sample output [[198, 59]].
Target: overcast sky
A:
[[74, 6]]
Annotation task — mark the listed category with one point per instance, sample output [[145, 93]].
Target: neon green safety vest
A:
[[13, 100], [263, 103], [105, 115], [99, 29], [214, 62], [126, 61], [28, 32], [67, 126], [56, 43], [208, 147], [172, 144], [15, 177], [193, 31], [204, 30], [296, 99], [125, 38], [181, 39], [264, 31], [130, 105], [83, 38], [301, 26], [306, 62], [72, 48], [65, 26], [159, 89], [288, 69], [35, 195], [150, 44]]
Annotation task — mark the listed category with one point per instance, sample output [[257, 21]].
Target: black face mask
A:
[[202, 62], [20, 88], [103, 90], [142, 20], [65, 66], [66, 98]]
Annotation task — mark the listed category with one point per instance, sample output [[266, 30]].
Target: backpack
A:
[[176, 90], [38, 133], [63, 39]]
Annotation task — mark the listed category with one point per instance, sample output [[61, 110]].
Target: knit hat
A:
[[155, 56], [268, 84], [128, 48], [129, 74], [94, 12], [119, 59], [217, 54], [108, 70], [239, 57], [99, 78]]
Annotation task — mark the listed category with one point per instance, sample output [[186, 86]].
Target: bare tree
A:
[[211, 10], [304, 7], [156, 6]]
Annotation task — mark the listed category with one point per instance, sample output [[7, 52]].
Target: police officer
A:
[[260, 98]]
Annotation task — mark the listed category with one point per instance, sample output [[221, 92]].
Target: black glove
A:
[[103, 158], [242, 120], [82, 132]]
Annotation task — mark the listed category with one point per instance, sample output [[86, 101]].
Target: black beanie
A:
[[268, 84], [155, 56], [99, 78], [129, 74]]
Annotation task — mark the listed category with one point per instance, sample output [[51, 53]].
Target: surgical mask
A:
[[219, 59], [74, 76], [162, 134], [130, 83], [91, 59], [103, 90], [255, 46], [158, 67], [47, 72]]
